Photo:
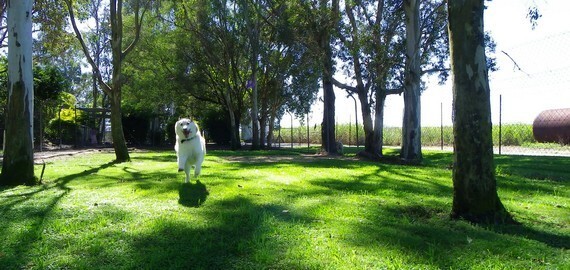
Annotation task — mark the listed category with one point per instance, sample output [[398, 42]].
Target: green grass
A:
[[279, 210]]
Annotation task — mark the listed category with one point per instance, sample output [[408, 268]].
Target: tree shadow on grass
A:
[[170, 157], [524, 231], [535, 167], [32, 207], [192, 195], [426, 231], [234, 236]]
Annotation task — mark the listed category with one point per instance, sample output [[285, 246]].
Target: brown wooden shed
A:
[[552, 126]]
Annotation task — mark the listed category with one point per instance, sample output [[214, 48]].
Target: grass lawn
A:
[[279, 210]]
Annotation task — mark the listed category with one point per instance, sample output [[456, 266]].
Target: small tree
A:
[[49, 82]]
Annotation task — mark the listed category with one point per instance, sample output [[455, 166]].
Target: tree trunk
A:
[[377, 141], [271, 128], [119, 142], [97, 53], [367, 123], [236, 144], [328, 131], [474, 185], [255, 140], [328, 135], [262, 132], [18, 163], [411, 131]]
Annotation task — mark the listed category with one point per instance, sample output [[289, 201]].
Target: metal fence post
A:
[[500, 122], [441, 123], [349, 130], [291, 129], [308, 135]]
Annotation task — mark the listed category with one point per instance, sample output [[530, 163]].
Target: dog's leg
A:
[[181, 161], [187, 172], [197, 170], [180, 166]]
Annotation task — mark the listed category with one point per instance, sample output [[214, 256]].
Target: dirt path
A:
[[48, 155], [40, 157]]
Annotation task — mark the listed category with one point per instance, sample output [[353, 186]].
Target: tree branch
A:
[[95, 68], [138, 26], [395, 91], [348, 88], [514, 62], [433, 70]]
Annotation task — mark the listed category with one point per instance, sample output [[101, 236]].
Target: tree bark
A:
[[378, 137], [411, 128], [119, 143], [255, 140], [235, 142], [367, 123], [328, 135], [18, 163], [328, 131], [474, 185]]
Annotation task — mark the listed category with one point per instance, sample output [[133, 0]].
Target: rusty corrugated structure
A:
[[552, 126]]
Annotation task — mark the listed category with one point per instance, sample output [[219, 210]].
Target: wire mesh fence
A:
[[549, 135], [528, 95]]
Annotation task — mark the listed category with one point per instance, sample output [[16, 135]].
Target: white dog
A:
[[190, 147]]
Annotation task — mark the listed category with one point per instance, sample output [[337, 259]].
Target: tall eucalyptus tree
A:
[[118, 51], [371, 40], [373, 43], [213, 56], [426, 53], [251, 11], [18, 162], [411, 127], [317, 23], [97, 40], [475, 195]]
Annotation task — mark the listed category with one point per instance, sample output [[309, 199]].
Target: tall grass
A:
[[511, 135]]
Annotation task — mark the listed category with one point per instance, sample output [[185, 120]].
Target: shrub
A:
[[61, 131]]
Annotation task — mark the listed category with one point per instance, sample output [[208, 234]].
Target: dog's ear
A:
[[190, 118]]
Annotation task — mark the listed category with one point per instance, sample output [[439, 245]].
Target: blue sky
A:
[[542, 54]]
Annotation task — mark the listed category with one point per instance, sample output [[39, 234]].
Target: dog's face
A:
[[186, 128]]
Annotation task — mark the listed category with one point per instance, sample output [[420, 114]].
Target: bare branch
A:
[[433, 70], [95, 68], [515, 63], [138, 27]]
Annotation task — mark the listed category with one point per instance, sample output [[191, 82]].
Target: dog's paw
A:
[[180, 170]]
